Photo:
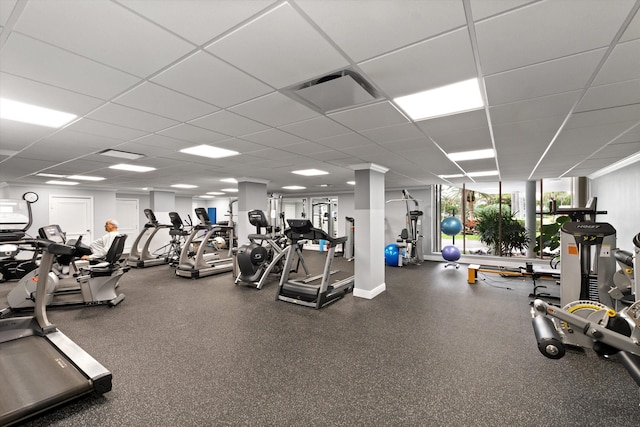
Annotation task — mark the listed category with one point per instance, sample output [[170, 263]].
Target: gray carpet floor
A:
[[431, 350]]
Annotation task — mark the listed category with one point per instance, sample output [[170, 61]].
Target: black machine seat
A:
[[177, 228], [110, 263], [303, 229]]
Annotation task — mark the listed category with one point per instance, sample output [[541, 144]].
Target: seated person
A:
[[101, 246]]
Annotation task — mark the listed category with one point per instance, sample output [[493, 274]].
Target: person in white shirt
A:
[[101, 246]]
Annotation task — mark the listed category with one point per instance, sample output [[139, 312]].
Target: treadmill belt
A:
[[34, 376]]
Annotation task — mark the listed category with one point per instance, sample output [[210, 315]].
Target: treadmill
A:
[[40, 367]]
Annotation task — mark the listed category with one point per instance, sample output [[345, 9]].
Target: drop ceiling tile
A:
[[623, 114], [623, 64], [611, 95], [482, 9], [391, 24], [547, 30], [370, 116], [95, 127], [454, 123], [80, 138], [273, 138], [78, 166], [207, 78], [319, 127], [274, 109], [478, 165], [229, 124], [195, 134], [451, 52], [464, 140], [19, 167], [618, 151], [161, 141], [304, 148], [164, 102], [265, 49], [56, 152], [131, 118], [345, 141], [239, 145], [196, 20], [104, 27], [29, 91], [25, 57], [17, 135], [410, 144], [633, 30], [533, 109], [6, 7], [148, 150], [547, 78], [393, 133]]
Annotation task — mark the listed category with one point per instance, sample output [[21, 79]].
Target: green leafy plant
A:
[[550, 235], [500, 230]]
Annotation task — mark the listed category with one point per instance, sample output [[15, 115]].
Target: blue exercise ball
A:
[[391, 254], [451, 253], [451, 226]]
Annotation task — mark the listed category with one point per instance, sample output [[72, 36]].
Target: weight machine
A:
[[410, 238]]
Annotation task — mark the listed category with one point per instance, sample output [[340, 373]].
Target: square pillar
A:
[[369, 206]]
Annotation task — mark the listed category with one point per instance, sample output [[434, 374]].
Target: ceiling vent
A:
[[335, 91]]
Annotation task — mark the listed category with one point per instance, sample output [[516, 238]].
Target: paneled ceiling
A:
[[560, 79]]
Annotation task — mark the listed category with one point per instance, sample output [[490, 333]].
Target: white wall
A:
[[618, 193]]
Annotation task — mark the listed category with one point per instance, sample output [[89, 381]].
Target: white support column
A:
[[252, 194], [369, 230], [162, 201]]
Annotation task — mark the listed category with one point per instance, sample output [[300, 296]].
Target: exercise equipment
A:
[[588, 263], [15, 220], [179, 235], [304, 292], [589, 324], [40, 367], [201, 237], [451, 226], [264, 254], [142, 257], [410, 238], [97, 282], [348, 247], [394, 255]]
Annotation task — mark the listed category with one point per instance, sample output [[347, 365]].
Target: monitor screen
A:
[[52, 232]]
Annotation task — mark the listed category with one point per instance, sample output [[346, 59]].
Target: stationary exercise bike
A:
[[264, 254], [15, 220], [97, 282]]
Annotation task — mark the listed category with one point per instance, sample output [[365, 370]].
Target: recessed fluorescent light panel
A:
[[293, 187], [310, 172], [132, 168], [471, 155], [215, 193], [56, 182], [184, 186], [27, 113], [204, 196], [231, 180], [50, 175], [442, 101], [482, 173], [230, 190], [351, 182], [122, 154], [455, 175], [86, 178], [209, 151]]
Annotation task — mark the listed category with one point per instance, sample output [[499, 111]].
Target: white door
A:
[[127, 214], [74, 215]]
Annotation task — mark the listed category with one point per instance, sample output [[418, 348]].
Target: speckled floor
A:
[[430, 351]]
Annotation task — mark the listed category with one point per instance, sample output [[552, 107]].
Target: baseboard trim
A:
[[369, 294]]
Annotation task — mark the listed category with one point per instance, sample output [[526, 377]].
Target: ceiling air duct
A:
[[335, 91]]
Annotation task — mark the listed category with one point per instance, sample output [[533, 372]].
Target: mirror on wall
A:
[[294, 208], [324, 214]]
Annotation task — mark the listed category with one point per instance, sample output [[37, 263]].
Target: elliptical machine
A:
[[264, 254]]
